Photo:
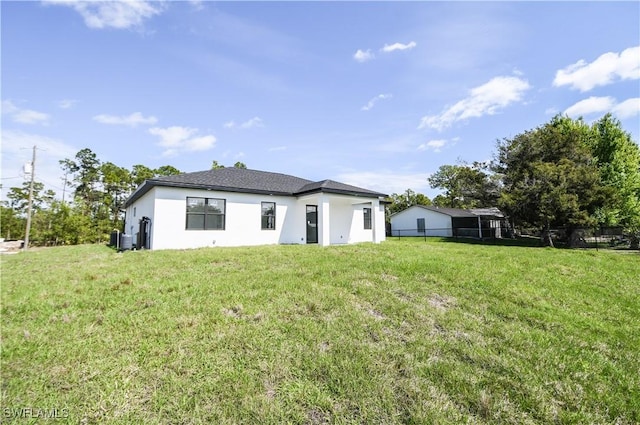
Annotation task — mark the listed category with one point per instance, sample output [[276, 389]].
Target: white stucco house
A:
[[235, 207], [421, 220]]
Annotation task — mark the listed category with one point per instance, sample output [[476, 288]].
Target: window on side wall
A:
[[205, 213], [367, 218], [268, 216]]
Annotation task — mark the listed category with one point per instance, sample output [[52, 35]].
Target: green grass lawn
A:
[[403, 332]]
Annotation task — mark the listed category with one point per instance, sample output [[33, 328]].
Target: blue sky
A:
[[376, 94]]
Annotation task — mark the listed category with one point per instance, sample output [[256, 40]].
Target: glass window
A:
[[421, 225], [205, 214], [367, 218], [268, 216]]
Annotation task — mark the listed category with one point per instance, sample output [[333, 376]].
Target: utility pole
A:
[[64, 186], [33, 173]]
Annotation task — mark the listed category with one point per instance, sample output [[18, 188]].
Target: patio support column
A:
[[377, 221], [324, 221]]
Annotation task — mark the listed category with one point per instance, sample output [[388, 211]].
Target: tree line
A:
[[90, 206], [562, 174]]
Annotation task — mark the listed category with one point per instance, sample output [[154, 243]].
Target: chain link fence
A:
[[585, 238]]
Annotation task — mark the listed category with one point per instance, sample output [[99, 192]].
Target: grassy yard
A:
[[403, 332]]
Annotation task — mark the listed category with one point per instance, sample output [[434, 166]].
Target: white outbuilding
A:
[[421, 220]]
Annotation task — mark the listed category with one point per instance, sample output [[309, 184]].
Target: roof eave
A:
[[340, 192], [148, 184]]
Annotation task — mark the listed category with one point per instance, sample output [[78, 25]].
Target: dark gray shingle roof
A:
[[331, 186], [244, 180], [238, 178]]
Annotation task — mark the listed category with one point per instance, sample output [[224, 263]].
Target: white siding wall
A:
[[166, 206], [379, 222], [405, 223], [243, 223], [355, 216], [143, 207], [346, 223]]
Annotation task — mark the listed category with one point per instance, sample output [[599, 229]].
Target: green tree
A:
[[19, 197], [70, 168], [215, 165], [465, 186], [116, 183], [12, 224], [87, 178], [400, 202], [167, 170], [550, 178], [618, 159], [140, 173]]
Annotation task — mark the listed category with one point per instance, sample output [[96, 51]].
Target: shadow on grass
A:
[[529, 242]]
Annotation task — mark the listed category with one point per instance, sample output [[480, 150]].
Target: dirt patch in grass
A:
[[317, 417], [440, 302]]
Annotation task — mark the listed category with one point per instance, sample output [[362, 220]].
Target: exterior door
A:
[[312, 224]]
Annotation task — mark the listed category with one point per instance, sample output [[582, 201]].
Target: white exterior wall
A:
[[379, 223], [340, 222], [345, 222], [143, 207], [405, 223], [243, 220]]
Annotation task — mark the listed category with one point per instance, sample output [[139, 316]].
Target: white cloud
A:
[[606, 69], [178, 139], [604, 104], [28, 116], [66, 103], [17, 150], [363, 55], [374, 100], [434, 145], [628, 108], [487, 99], [366, 55], [24, 116], [398, 46], [251, 123], [196, 4], [386, 181], [590, 105], [277, 148], [551, 111], [202, 143], [115, 14], [131, 120]]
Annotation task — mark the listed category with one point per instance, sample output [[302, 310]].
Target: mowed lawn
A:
[[406, 331]]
